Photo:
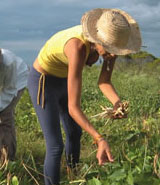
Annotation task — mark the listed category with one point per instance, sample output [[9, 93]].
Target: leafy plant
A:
[[135, 141]]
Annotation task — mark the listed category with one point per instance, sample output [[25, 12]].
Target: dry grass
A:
[[3, 158], [108, 112]]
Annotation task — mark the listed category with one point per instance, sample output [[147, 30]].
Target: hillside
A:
[[141, 57]]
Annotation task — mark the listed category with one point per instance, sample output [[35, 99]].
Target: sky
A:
[[25, 25]]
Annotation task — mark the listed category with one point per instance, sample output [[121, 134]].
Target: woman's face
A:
[[96, 51], [102, 52]]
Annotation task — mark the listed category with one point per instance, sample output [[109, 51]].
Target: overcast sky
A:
[[26, 24]]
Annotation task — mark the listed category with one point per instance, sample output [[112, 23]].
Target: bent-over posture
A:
[[55, 82]]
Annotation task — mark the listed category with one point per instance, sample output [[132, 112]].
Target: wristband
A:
[[98, 139]]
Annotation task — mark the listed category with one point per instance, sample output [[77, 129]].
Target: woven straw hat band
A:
[[113, 28]]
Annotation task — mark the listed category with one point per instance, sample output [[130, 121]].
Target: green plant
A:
[[135, 141]]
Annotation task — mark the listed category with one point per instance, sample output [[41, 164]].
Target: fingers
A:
[[108, 56], [119, 116], [109, 155], [103, 157], [120, 110]]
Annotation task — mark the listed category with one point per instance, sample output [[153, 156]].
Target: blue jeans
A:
[[54, 92]]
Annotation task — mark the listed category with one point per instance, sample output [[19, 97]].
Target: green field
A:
[[135, 141]]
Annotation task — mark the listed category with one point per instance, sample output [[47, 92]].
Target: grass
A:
[[135, 141]]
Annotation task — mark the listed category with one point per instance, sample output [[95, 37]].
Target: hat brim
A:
[[89, 22]]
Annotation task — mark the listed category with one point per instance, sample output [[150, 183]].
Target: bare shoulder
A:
[[74, 45]]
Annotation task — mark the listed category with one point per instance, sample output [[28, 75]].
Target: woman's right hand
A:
[[104, 153]]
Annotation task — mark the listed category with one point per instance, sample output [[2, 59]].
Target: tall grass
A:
[[135, 141]]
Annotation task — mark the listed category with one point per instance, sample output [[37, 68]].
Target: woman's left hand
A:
[[120, 110]]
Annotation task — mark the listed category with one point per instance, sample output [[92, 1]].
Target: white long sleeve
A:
[[13, 77]]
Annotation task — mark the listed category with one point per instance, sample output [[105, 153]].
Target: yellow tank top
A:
[[52, 58]]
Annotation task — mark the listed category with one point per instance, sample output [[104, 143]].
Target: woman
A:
[[55, 82]]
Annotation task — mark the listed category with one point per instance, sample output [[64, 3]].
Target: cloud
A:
[[148, 2], [27, 49], [23, 44], [26, 24]]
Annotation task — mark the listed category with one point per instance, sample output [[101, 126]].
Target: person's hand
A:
[[109, 56], [120, 110], [103, 153]]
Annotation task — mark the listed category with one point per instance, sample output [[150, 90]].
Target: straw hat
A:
[[114, 29]]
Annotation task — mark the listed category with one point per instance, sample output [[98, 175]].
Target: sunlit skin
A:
[[97, 50], [75, 51]]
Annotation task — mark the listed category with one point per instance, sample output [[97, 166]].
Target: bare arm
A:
[[104, 82], [75, 51]]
